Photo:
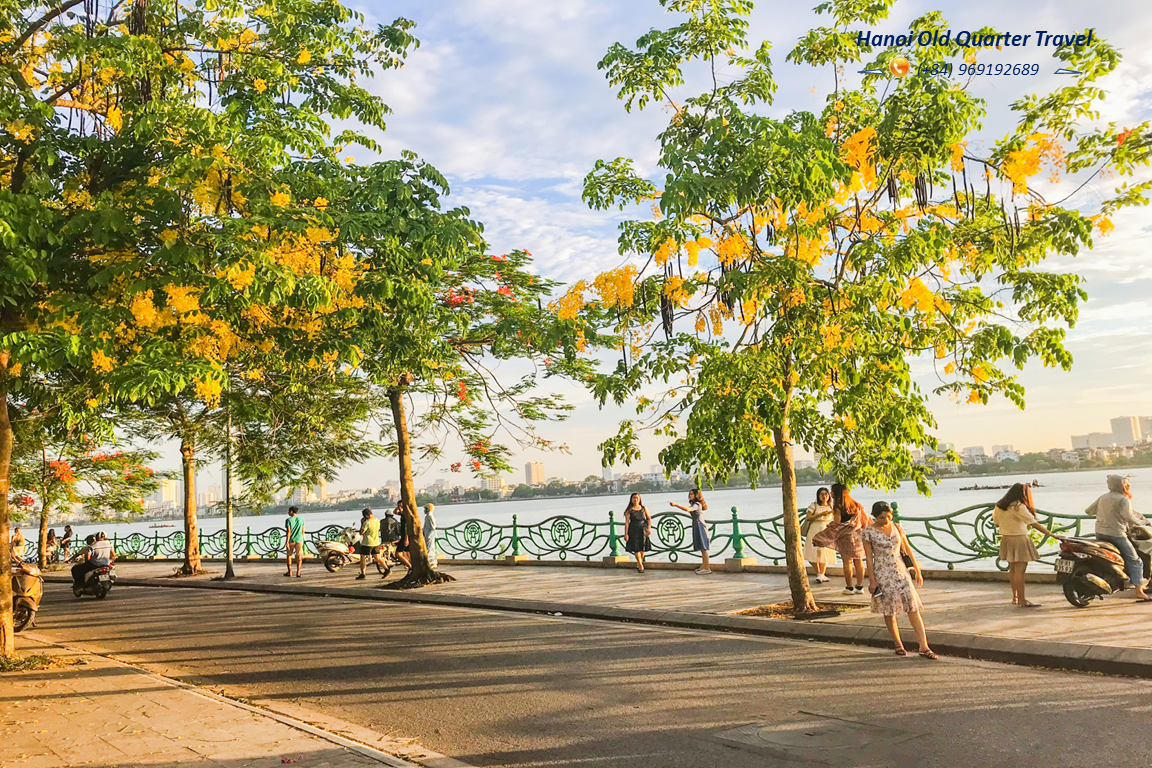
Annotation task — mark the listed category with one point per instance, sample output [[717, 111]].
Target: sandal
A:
[[930, 655], [901, 652], [1029, 604], [1145, 599]]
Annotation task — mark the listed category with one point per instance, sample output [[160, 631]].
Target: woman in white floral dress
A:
[[892, 590]]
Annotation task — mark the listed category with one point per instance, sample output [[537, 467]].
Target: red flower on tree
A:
[[1123, 137]]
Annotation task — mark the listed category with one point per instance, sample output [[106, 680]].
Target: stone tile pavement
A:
[[103, 713]]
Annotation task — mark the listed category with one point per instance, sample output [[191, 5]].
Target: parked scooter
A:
[[97, 583], [27, 588], [337, 554], [1090, 569]]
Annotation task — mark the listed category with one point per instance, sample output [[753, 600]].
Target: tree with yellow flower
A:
[[140, 147], [799, 265]]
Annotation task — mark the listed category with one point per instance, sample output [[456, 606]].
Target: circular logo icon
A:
[[899, 66]]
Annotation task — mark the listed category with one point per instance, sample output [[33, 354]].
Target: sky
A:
[[504, 98]]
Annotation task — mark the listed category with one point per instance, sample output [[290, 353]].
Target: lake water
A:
[[1062, 493]]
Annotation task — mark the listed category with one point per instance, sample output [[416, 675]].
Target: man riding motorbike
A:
[[98, 553], [1114, 517]]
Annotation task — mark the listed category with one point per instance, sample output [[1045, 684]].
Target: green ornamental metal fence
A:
[[962, 538]]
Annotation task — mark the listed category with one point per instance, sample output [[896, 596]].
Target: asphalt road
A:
[[499, 689]]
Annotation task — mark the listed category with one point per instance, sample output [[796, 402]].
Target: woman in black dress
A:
[[637, 529]]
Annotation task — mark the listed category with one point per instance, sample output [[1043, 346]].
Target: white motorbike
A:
[[337, 554]]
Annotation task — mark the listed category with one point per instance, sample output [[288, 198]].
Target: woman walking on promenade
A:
[[848, 519], [816, 518], [892, 590], [637, 530], [696, 507], [1014, 515]]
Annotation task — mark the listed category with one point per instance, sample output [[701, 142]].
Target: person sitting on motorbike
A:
[[1114, 517], [98, 553]]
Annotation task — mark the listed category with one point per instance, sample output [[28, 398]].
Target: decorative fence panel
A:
[[962, 538]]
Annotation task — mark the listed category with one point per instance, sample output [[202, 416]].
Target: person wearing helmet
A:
[[1114, 516]]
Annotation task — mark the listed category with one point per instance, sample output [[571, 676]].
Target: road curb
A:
[[1050, 654]]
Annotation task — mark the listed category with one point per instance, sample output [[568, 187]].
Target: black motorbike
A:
[[97, 583], [1090, 569]]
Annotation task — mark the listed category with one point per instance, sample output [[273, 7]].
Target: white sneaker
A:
[[821, 579], [703, 570], [849, 591]]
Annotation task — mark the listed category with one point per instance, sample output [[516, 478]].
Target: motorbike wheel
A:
[[1077, 593], [100, 590], [22, 617], [333, 562]]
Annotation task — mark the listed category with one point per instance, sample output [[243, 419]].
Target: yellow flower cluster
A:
[[1025, 162], [182, 299], [694, 247], [616, 287], [144, 310], [732, 248], [568, 306], [209, 390], [859, 153], [958, 155], [102, 362], [674, 290], [666, 251]]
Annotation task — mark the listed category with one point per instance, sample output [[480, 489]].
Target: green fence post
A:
[[515, 537], [248, 542], [737, 539], [895, 511], [613, 542], [156, 546]]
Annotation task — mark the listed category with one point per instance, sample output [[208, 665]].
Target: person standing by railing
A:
[[294, 539], [816, 518], [1114, 516], [66, 542], [888, 580], [1014, 515], [696, 508], [17, 545], [637, 530], [429, 529], [849, 518]]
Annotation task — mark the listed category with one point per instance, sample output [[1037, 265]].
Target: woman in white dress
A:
[[816, 519], [430, 533]]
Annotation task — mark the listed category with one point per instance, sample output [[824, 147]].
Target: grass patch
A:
[[33, 662], [784, 610]]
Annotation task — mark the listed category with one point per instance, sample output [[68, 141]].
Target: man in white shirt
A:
[[98, 554], [1114, 516]]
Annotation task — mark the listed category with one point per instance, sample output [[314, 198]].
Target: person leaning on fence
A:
[[1014, 515], [893, 593], [816, 518], [66, 542], [294, 538], [429, 530], [696, 507], [51, 543], [17, 545], [1114, 517], [637, 530], [849, 518]]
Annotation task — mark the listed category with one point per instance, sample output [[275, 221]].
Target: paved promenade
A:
[[981, 608], [104, 713]]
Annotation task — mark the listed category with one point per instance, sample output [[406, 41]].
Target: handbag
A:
[[907, 558]]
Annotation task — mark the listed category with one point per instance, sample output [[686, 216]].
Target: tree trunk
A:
[[421, 573], [42, 552], [229, 572], [7, 635], [191, 530], [802, 601]]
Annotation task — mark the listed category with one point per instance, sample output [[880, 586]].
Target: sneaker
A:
[[703, 570], [859, 589], [361, 576], [822, 579], [849, 591]]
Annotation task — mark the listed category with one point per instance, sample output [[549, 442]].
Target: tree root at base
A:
[[415, 581]]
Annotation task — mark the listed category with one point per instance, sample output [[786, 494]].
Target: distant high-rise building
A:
[[1001, 449], [975, 450], [320, 491], [1093, 440], [492, 483], [1146, 428], [607, 474], [533, 473], [1126, 431], [168, 491]]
